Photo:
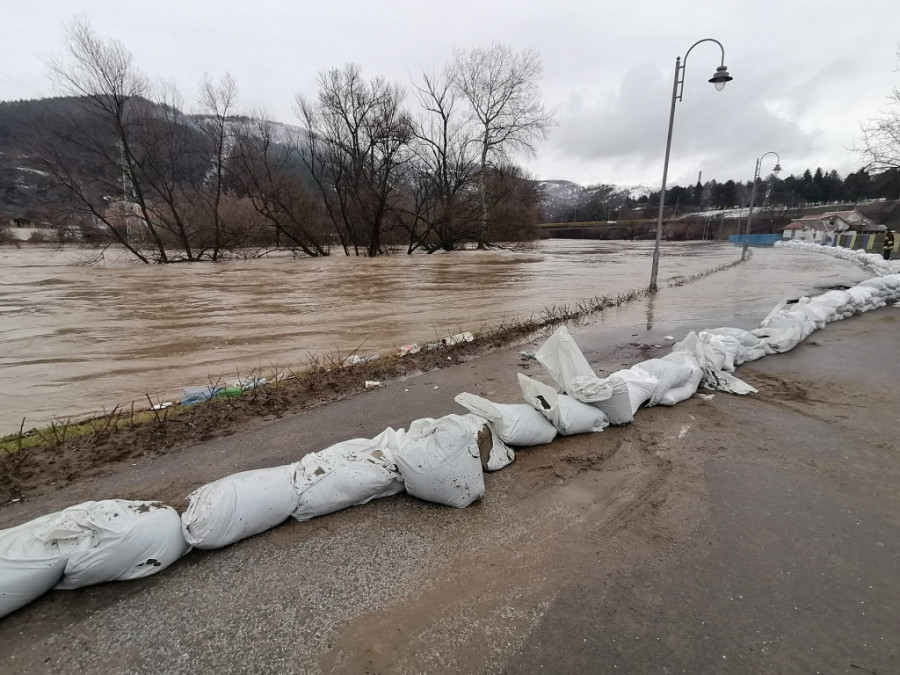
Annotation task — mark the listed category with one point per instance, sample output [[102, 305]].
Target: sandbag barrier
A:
[[439, 460], [873, 262]]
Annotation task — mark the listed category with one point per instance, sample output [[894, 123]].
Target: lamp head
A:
[[777, 169], [721, 78]]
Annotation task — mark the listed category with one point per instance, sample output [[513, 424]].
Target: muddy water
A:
[[75, 337]]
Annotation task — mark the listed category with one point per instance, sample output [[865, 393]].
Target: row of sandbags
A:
[[439, 460], [871, 261]]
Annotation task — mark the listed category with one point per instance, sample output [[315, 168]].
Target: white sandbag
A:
[[751, 346], [609, 395], [29, 567], [115, 540], [439, 461], [676, 395], [574, 376], [669, 375], [498, 454], [708, 359], [563, 359], [641, 386], [347, 474], [239, 506], [816, 312], [569, 415], [517, 424]]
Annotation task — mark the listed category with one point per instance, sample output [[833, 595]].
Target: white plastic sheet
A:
[[517, 424], [440, 462], [569, 415], [115, 540], [563, 360], [347, 474], [239, 506]]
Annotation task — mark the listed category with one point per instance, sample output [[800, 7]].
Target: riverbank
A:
[[732, 534]]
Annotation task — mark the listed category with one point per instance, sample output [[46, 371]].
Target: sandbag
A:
[[610, 395], [641, 386], [709, 359], [495, 454], [115, 540], [751, 347], [574, 376], [239, 506], [563, 359], [676, 395], [347, 474], [439, 461], [569, 415], [29, 567], [669, 375], [517, 424]]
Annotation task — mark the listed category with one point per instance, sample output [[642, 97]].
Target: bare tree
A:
[[356, 145], [881, 136], [502, 89], [446, 169], [217, 101], [267, 170], [102, 75]]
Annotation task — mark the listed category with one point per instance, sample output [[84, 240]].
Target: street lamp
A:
[[775, 170], [720, 78]]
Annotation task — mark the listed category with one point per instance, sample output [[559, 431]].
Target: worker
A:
[[888, 244]]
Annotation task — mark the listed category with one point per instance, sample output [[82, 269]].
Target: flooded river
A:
[[75, 337]]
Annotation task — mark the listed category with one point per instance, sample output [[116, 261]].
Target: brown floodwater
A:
[[77, 338]]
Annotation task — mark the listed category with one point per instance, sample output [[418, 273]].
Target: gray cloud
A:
[[806, 71]]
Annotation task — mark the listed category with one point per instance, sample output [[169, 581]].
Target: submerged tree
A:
[[357, 138]]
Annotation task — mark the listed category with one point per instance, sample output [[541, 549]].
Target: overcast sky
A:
[[806, 72]]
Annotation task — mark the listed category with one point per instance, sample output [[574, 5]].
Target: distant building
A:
[[25, 229], [827, 227]]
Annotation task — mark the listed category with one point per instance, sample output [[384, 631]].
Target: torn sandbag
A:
[[440, 462], [495, 454], [347, 474], [239, 506], [574, 376], [669, 375], [517, 424], [748, 346], [641, 386], [29, 567], [563, 359], [569, 415], [708, 359], [115, 540], [676, 395]]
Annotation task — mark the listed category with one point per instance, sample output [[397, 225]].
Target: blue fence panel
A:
[[755, 239]]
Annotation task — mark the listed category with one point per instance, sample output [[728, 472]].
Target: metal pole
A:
[[750, 211], [662, 193]]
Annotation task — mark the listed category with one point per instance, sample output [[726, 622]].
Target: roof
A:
[[802, 223]]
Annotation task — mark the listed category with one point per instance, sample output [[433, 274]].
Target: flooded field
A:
[[75, 338]]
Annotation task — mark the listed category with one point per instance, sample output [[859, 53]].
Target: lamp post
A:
[[719, 79], [775, 170]]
